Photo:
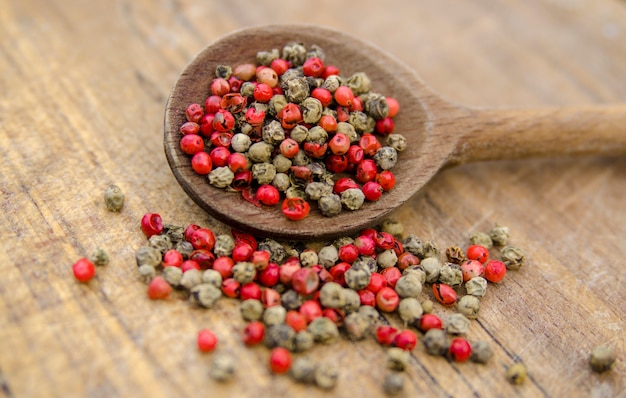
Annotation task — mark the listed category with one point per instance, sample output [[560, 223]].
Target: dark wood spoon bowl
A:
[[439, 133]]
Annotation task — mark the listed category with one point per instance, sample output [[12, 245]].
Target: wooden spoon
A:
[[439, 133]]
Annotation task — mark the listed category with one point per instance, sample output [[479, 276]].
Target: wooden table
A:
[[83, 88]]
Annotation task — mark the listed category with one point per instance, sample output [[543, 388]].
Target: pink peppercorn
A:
[[191, 144], [83, 270], [495, 270], [159, 289], [386, 334], [206, 340], [280, 360], [406, 339], [253, 333], [387, 299], [305, 281], [151, 224], [460, 349], [172, 258]]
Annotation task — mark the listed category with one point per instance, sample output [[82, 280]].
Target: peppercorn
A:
[[158, 289], [477, 286], [222, 367], [280, 335], [435, 342], [414, 245], [408, 286], [174, 232], [481, 239], [513, 257], [160, 242], [393, 383], [397, 142], [84, 270], [244, 272], [221, 177], [602, 358], [328, 256], [185, 248], [326, 376], [100, 257], [410, 310], [499, 235], [190, 278], [455, 255], [251, 310], [277, 251], [460, 349], [212, 277], [358, 276], [147, 272], [173, 275], [371, 314], [457, 324], [274, 315], [431, 249], [224, 245], [291, 300], [304, 341], [147, 255], [427, 306], [397, 358], [357, 326], [205, 295], [324, 330], [481, 352], [113, 198], [387, 258], [516, 373], [351, 301], [469, 306], [352, 199], [431, 267]]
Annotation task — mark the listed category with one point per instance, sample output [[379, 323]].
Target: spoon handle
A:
[[497, 134]]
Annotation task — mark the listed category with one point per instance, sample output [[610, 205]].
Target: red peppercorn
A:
[[189, 128], [385, 126], [367, 297], [269, 276], [189, 264], [355, 154], [213, 104], [231, 287], [287, 270], [172, 258], [296, 320], [241, 252], [290, 115], [366, 245], [343, 113], [242, 180], [263, 93], [344, 95], [201, 163], [206, 124], [372, 191], [219, 156], [203, 257], [343, 184], [391, 274], [495, 270], [394, 106], [202, 238], [280, 360], [322, 95], [339, 144], [224, 265], [221, 138], [387, 299], [289, 148], [377, 282], [207, 340], [151, 224], [328, 123], [220, 86], [460, 349], [406, 260], [255, 116], [189, 230], [369, 144], [386, 334], [313, 67], [366, 170], [270, 298], [471, 269], [191, 144], [260, 259], [253, 333], [315, 150], [280, 66], [250, 291], [311, 310], [386, 179], [242, 237], [83, 270], [159, 289], [334, 315], [295, 208], [330, 70], [406, 339], [338, 272], [235, 84], [268, 195], [305, 281], [348, 253], [194, 112], [336, 163], [478, 253], [223, 121], [357, 105], [237, 162], [444, 293], [430, 321]]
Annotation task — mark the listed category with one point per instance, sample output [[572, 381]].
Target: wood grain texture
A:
[[82, 96]]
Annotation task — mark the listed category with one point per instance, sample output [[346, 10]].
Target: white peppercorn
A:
[[304, 341], [477, 286], [469, 306], [414, 245], [451, 274], [324, 330], [113, 198], [397, 358], [221, 177], [316, 190], [481, 352], [281, 181], [330, 205], [224, 245], [173, 275], [222, 367], [386, 157], [431, 249], [410, 310], [387, 258], [240, 142], [431, 267], [251, 309], [263, 173], [457, 324], [427, 306], [348, 130], [244, 272], [326, 376], [393, 227], [351, 301], [408, 286], [308, 258], [274, 315], [358, 277], [190, 278], [212, 277], [160, 242], [397, 142], [147, 255], [516, 373], [303, 370], [435, 342], [146, 272], [260, 152], [205, 295], [328, 256], [416, 271], [185, 248]]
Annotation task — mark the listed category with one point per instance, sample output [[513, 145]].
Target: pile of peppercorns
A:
[[293, 298], [289, 128]]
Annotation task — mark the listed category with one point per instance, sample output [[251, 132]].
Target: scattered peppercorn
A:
[[602, 358], [113, 198], [516, 373]]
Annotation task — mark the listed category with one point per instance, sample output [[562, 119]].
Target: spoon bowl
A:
[[438, 132]]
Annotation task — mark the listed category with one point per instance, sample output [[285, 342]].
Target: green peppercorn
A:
[[387, 258], [330, 205], [481, 352], [359, 82], [304, 341], [251, 310], [408, 286], [113, 198], [326, 376], [291, 300], [280, 335], [100, 257], [147, 272], [244, 272], [303, 370], [324, 330], [247, 89], [160, 242], [295, 53], [417, 272], [358, 276], [414, 245], [367, 262], [602, 358], [393, 227], [147, 255], [281, 163], [281, 181], [296, 89], [315, 190], [185, 248], [276, 104], [427, 306], [431, 249], [375, 105], [371, 314], [332, 83], [176, 233], [397, 142], [397, 358], [204, 294], [435, 342], [357, 326], [259, 152], [469, 306], [516, 373], [457, 324], [431, 267], [482, 239], [499, 235], [386, 157], [308, 258], [190, 278], [277, 252], [274, 315], [477, 286], [263, 173], [311, 110], [410, 310], [451, 274], [301, 159], [266, 57], [351, 301], [513, 257], [393, 383], [359, 121], [224, 245], [222, 367], [328, 256], [221, 177], [348, 130], [223, 71]]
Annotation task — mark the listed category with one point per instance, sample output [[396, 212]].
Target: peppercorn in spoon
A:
[[439, 133]]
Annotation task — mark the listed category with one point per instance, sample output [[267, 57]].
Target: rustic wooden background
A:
[[83, 86]]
